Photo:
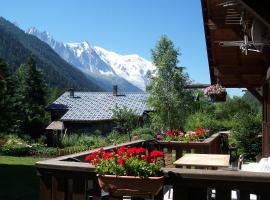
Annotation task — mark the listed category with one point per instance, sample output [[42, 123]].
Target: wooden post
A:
[[266, 121], [45, 192]]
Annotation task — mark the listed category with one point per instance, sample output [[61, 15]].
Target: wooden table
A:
[[208, 161]]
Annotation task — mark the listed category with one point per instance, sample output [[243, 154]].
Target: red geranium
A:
[[199, 131], [108, 155], [121, 150], [157, 153], [140, 151], [126, 161]]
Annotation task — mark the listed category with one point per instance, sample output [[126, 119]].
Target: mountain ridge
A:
[[128, 71], [16, 46]]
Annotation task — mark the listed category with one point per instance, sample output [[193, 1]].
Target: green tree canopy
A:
[[31, 96], [125, 119], [171, 102]]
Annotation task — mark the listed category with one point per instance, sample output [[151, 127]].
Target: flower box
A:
[[143, 187], [129, 171]]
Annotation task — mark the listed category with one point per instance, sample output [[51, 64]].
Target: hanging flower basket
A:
[[143, 187], [216, 93], [221, 97]]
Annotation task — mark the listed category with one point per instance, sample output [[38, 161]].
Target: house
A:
[[87, 112]]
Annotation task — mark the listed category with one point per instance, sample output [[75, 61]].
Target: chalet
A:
[[87, 112]]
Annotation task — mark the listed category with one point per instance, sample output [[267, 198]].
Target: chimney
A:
[[71, 93], [114, 90]]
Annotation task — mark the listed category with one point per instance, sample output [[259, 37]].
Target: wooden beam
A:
[[246, 69], [197, 86], [250, 88], [253, 12]]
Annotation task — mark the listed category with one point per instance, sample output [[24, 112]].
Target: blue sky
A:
[[123, 26]]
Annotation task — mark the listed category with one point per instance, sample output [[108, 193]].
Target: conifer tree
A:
[[168, 97], [31, 98], [3, 96]]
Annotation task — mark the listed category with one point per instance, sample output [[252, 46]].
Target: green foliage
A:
[[126, 119], [245, 134], [144, 133], [115, 137], [16, 46], [43, 151], [15, 146], [231, 107], [31, 99], [254, 103], [137, 167], [204, 120], [7, 91], [88, 141], [168, 98]]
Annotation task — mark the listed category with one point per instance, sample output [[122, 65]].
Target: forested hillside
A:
[[16, 46]]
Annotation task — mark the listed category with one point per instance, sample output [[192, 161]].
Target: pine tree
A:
[[171, 102], [31, 98], [3, 96]]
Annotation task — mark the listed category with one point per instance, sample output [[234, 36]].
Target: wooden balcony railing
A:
[[196, 184], [69, 178]]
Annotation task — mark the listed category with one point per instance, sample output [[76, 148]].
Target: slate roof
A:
[[96, 106]]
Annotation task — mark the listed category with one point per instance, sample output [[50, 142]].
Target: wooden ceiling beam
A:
[[234, 69], [254, 13]]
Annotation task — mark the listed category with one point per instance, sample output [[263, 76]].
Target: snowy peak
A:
[[130, 67], [96, 61]]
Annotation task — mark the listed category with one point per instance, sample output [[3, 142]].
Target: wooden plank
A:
[[79, 192], [58, 188], [45, 188], [203, 160]]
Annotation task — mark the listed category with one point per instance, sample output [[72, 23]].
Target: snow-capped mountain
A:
[[106, 67], [133, 68]]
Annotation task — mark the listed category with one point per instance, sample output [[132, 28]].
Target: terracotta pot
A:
[[218, 97], [131, 185]]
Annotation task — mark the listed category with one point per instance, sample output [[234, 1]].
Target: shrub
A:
[[245, 134], [143, 133], [15, 146], [68, 140], [200, 119], [42, 151], [115, 137]]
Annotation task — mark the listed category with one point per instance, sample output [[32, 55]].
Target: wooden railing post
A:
[[45, 192], [223, 194]]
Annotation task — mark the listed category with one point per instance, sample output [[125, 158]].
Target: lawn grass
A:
[[18, 179]]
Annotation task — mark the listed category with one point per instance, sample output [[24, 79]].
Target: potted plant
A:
[[176, 135], [129, 171], [216, 93]]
